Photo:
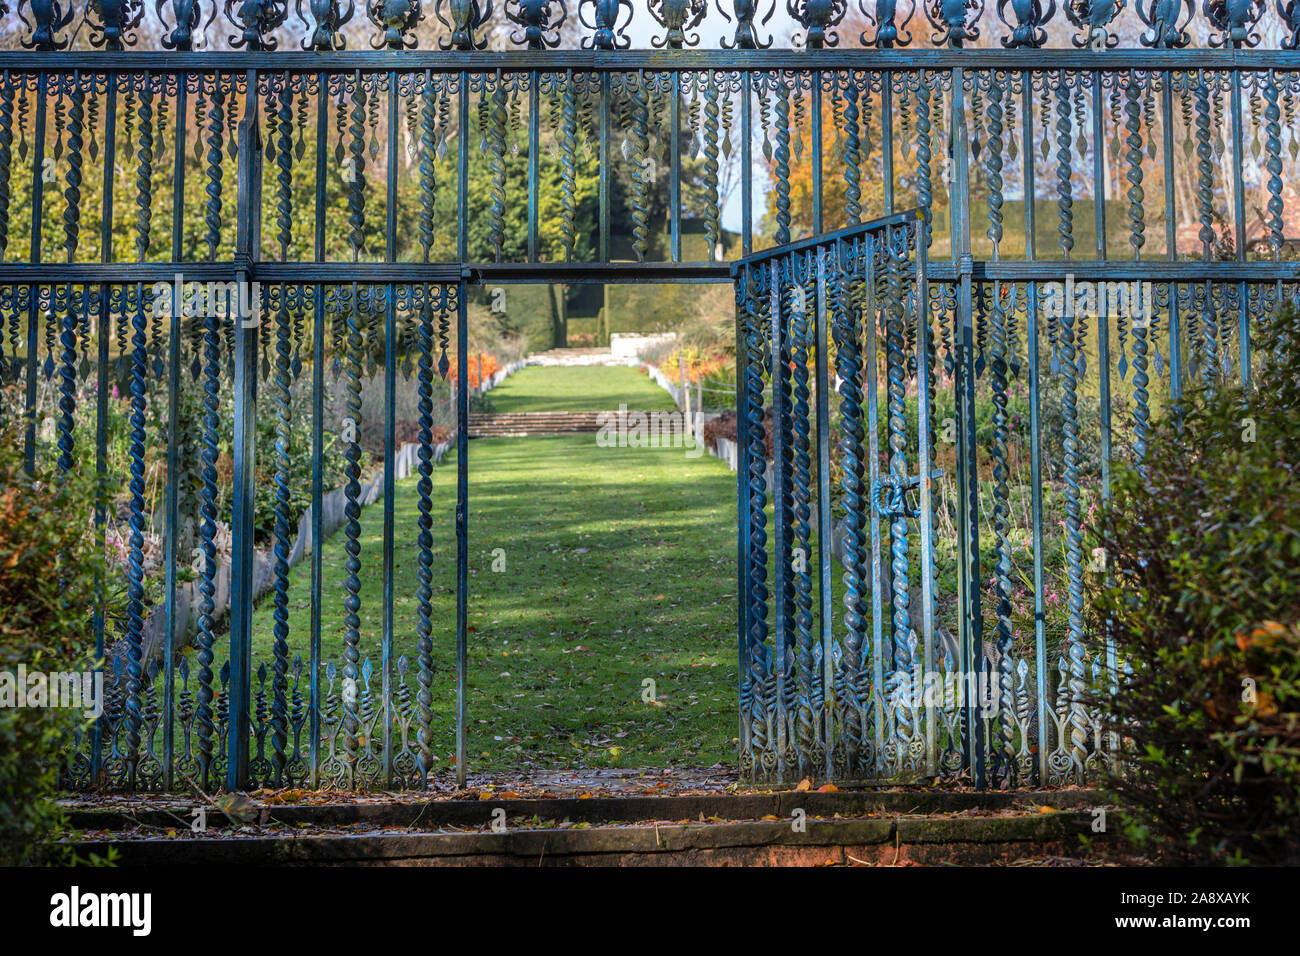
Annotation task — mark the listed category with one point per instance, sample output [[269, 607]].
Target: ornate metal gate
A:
[[812, 704], [343, 185]]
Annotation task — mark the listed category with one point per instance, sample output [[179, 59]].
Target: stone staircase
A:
[[518, 424]]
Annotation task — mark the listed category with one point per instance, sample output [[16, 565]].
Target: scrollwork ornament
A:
[[1030, 19], [1092, 17], [396, 20], [818, 19], [1166, 22], [257, 20], [467, 16], [954, 21], [187, 15], [748, 20], [327, 21], [609, 34], [1289, 11], [111, 22], [883, 16], [48, 18], [678, 18], [1235, 21], [540, 22]]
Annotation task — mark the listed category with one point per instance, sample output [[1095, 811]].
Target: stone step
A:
[[536, 423], [793, 828]]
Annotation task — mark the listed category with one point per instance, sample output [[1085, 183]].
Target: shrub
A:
[[50, 567], [1205, 605]]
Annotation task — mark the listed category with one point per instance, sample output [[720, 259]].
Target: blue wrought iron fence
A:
[[364, 191]]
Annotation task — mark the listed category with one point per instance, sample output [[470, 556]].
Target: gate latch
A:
[[895, 505]]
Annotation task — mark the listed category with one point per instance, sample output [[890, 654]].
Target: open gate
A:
[[840, 685]]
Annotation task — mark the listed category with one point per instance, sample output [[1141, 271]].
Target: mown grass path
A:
[[583, 388], [616, 566]]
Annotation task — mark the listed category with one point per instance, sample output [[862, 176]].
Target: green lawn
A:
[[619, 567], [580, 389]]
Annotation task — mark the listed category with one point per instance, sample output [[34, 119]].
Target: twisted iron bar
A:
[[901, 671], [6, 154], [67, 391], [355, 175], [712, 222], [1137, 238], [781, 164], [135, 567], [638, 156], [73, 177], [351, 724], [1273, 163], [497, 166], [1073, 544], [424, 543], [806, 733], [203, 718], [144, 171], [849, 367], [212, 209], [852, 154], [569, 168], [760, 681], [428, 165], [924, 157], [283, 354], [1064, 167]]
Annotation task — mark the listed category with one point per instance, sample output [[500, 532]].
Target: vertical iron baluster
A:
[[281, 396], [1239, 219], [1137, 239], [781, 161], [568, 167], [781, 508], [871, 321], [824, 686], [762, 676], [1005, 763], [246, 351], [805, 737], [172, 524], [38, 215], [1103, 318], [968, 574], [901, 661], [852, 153], [712, 220], [847, 328], [462, 532], [424, 541], [390, 428]]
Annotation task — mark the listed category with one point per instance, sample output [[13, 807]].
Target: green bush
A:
[[47, 586], [1205, 605]]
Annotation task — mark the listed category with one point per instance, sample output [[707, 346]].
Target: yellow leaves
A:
[[804, 785], [1265, 705], [285, 796], [1266, 633]]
